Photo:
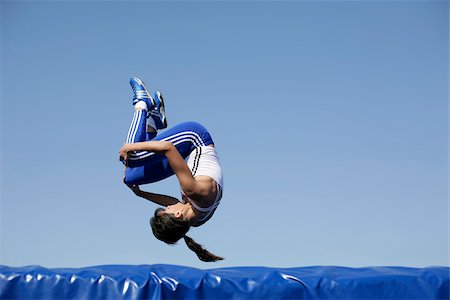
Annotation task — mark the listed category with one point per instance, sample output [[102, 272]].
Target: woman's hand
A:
[[135, 188], [123, 153]]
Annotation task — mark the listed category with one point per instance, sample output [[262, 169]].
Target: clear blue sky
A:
[[330, 119]]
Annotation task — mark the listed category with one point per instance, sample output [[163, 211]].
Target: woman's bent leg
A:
[[150, 173], [147, 167], [138, 128], [185, 137]]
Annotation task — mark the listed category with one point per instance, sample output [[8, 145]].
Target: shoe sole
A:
[[162, 108]]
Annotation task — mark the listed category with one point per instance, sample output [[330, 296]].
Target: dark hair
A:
[[169, 229]]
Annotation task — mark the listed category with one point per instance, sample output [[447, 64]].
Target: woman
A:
[[186, 150]]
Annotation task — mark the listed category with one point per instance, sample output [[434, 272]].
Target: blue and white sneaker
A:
[[141, 93], [159, 112]]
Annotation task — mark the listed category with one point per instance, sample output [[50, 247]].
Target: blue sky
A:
[[330, 119]]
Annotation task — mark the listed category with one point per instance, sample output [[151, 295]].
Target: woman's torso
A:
[[206, 169]]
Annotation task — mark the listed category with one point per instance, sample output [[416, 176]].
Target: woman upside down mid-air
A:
[[186, 150]]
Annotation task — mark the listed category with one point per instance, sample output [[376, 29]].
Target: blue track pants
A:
[[147, 167]]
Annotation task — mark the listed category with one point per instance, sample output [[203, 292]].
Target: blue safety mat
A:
[[177, 282]]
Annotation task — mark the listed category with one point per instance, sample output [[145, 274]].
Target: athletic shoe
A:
[[141, 94], [159, 112]]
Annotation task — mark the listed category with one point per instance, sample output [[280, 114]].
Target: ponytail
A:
[[202, 254], [168, 229]]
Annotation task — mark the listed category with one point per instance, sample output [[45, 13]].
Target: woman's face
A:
[[182, 211], [177, 210]]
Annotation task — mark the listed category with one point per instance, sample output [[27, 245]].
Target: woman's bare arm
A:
[[160, 199], [153, 146], [176, 161]]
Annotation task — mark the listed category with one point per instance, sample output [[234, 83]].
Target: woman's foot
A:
[[141, 94], [159, 113], [155, 106]]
